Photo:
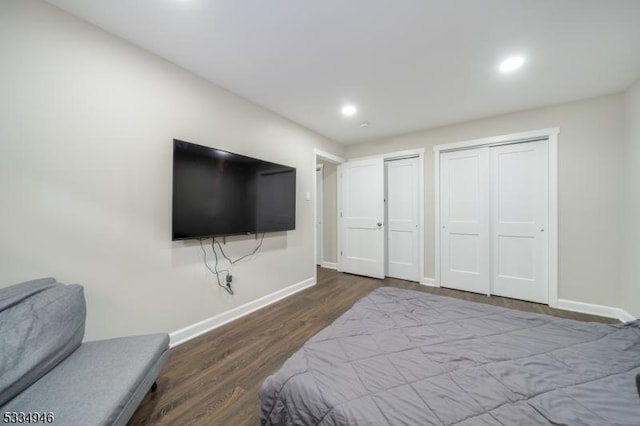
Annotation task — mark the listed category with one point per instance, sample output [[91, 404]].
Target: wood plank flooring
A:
[[214, 378]]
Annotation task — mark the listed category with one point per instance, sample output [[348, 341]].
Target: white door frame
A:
[[395, 156], [334, 159], [319, 206], [551, 135]]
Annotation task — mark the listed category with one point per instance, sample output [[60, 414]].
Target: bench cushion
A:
[[41, 323], [101, 383]]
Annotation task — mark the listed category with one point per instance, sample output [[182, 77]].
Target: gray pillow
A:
[[40, 325], [15, 293]]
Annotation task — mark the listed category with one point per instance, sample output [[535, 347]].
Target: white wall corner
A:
[[329, 265], [593, 309], [194, 330], [431, 282]]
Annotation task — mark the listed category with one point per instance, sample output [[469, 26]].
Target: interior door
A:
[[519, 221], [402, 218], [464, 220], [362, 217]]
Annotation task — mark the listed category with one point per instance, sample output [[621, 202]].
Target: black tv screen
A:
[[216, 193]]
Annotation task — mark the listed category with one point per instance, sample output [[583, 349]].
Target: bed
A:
[[401, 357]]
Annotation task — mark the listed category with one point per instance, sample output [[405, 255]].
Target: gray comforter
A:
[[401, 357]]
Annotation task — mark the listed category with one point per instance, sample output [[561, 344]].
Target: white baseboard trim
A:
[[431, 282], [600, 310], [194, 330], [329, 265]]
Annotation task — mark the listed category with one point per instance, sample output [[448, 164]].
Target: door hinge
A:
[[340, 252], [340, 214]]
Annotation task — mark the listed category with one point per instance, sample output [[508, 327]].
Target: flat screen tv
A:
[[217, 193]]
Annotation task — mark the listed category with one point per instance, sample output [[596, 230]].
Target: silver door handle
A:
[[379, 224], [541, 229]]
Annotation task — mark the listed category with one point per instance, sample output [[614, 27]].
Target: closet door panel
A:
[[464, 213], [362, 217], [519, 201], [402, 218]]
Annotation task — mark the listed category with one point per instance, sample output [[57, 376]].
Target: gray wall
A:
[[631, 205], [86, 123], [590, 154], [86, 128]]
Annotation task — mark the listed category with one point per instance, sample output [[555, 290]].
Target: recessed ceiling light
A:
[[364, 124], [511, 64], [349, 110]]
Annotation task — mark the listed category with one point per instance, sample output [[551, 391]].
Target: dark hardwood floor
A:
[[214, 378]]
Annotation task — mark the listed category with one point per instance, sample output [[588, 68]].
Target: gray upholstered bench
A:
[[46, 370]]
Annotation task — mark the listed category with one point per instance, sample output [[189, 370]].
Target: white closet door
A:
[[519, 220], [362, 217], [464, 214], [402, 218]]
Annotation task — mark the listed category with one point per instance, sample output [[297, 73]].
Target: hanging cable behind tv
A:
[[215, 271], [232, 262]]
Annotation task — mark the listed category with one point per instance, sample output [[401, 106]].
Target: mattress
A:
[[401, 357]]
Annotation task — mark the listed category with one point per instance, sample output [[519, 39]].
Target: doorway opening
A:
[[326, 209], [319, 213]]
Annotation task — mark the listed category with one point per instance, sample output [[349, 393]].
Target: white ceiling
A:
[[406, 64]]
